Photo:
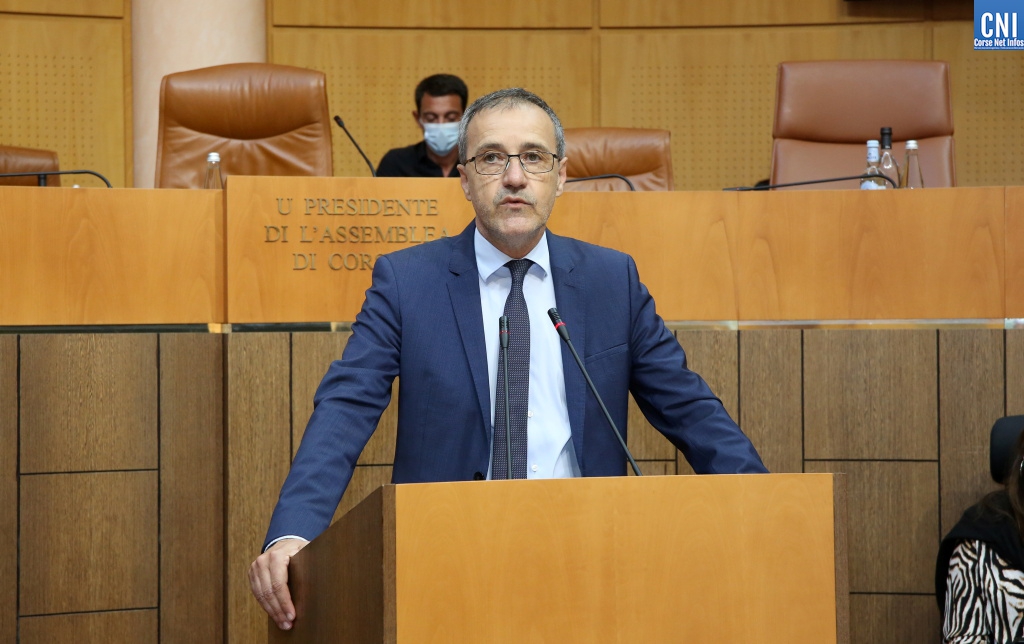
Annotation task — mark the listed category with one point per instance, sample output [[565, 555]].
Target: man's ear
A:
[[562, 166], [416, 117], [464, 181]]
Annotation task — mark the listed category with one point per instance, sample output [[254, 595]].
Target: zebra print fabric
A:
[[984, 597]]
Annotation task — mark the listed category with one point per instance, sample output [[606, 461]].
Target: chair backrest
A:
[[15, 159], [262, 119], [826, 111], [1002, 442], [644, 156]]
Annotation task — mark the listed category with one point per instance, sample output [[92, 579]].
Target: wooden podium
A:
[[741, 558]]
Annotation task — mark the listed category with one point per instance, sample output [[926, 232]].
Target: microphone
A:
[[341, 124], [629, 183], [42, 174], [563, 333], [808, 183], [503, 335]]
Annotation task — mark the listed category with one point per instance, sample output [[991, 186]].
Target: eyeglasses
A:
[[533, 161]]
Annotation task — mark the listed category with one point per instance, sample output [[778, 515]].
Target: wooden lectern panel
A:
[[1015, 252], [102, 256], [654, 559], [302, 249]]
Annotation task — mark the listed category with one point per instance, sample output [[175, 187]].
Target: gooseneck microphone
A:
[[42, 174], [563, 332], [341, 124], [809, 183], [503, 335], [629, 183]]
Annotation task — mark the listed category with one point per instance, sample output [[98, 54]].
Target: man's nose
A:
[[514, 174]]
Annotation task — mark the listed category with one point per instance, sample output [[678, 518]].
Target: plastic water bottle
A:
[[887, 160], [214, 179], [912, 177], [875, 182]]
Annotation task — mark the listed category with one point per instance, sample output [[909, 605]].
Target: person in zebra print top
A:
[[979, 574]]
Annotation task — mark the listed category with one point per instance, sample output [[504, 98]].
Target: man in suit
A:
[[431, 317]]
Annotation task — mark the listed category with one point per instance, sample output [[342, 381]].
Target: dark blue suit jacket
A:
[[421, 321]]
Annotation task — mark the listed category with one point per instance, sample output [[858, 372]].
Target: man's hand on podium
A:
[[268, 579]]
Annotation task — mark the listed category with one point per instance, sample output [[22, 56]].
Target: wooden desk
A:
[[98, 256], [705, 256]]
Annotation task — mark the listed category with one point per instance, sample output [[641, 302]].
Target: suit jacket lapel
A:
[[464, 291], [570, 297]]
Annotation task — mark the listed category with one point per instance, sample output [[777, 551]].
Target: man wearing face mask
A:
[[440, 101]]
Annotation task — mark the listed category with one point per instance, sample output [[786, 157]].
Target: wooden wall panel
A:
[[715, 88], [713, 355], [88, 542], [63, 81], [95, 8], [258, 456], [1014, 372], [136, 626], [894, 619], [971, 398], [952, 10], [985, 113], [111, 256], [694, 13], [867, 263], [892, 536], [88, 402], [371, 76], [1015, 252], [771, 396], [656, 468], [8, 487], [870, 394], [440, 14], [312, 354], [191, 488]]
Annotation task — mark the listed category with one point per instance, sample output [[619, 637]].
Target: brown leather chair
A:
[[826, 111], [262, 119], [643, 156], [15, 159]]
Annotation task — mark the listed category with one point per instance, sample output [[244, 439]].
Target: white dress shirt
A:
[[550, 453]]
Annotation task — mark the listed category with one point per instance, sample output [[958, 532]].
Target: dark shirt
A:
[[411, 161]]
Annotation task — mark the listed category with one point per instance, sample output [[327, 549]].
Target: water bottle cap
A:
[[872, 143], [213, 157], [911, 144]]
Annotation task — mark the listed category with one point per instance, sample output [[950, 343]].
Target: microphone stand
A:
[[42, 174], [563, 332], [341, 124], [503, 335], [807, 183], [629, 183]]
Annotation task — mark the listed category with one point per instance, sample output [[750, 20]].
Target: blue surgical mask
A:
[[441, 137]]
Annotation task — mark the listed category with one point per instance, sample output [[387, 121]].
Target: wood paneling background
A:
[[112, 528], [8, 487], [904, 413], [705, 71], [65, 75], [896, 410], [191, 389]]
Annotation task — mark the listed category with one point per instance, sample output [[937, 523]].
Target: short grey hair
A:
[[508, 99]]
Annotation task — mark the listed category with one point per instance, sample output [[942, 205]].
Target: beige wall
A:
[[170, 37]]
